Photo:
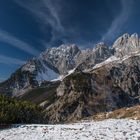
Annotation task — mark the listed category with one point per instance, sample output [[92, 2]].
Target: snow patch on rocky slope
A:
[[46, 76]]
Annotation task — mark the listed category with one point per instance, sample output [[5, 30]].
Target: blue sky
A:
[[27, 27]]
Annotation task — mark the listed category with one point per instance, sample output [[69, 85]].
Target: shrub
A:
[[15, 111]]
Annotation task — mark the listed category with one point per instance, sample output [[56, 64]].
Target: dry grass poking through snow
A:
[[131, 113]]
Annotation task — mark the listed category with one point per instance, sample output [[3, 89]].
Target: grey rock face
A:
[[54, 62], [88, 58], [126, 45], [126, 75], [106, 88], [85, 94], [91, 88], [19, 83], [59, 61], [48, 66], [63, 57], [29, 76]]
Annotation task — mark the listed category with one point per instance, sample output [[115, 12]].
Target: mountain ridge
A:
[[53, 63], [92, 81], [56, 62]]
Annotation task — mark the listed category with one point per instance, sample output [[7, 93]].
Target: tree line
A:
[[13, 111]]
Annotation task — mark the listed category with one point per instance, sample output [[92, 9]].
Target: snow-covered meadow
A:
[[111, 129]]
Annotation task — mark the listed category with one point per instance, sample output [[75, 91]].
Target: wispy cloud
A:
[[10, 60], [54, 13], [119, 22], [17, 43], [45, 11]]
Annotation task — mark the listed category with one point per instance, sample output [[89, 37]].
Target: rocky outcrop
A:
[[95, 80], [51, 64], [126, 45], [126, 75], [29, 76], [106, 88], [84, 94], [62, 57], [48, 66], [88, 58]]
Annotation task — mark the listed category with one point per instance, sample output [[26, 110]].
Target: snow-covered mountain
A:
[[52, 64], [126, 45], [63, 57], [57, 62], [90, 57], [91, 81]]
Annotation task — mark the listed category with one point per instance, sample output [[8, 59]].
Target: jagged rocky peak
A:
[[127, 44], [101, 47], [62, 57], [100, 44], [29, 66], [102, 50], [61, 50], [90, 57], [134, 38]]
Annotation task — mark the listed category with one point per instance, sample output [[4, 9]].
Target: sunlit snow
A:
[[119, 129]]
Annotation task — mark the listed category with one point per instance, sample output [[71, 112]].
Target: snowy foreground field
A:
[[121, 129]]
